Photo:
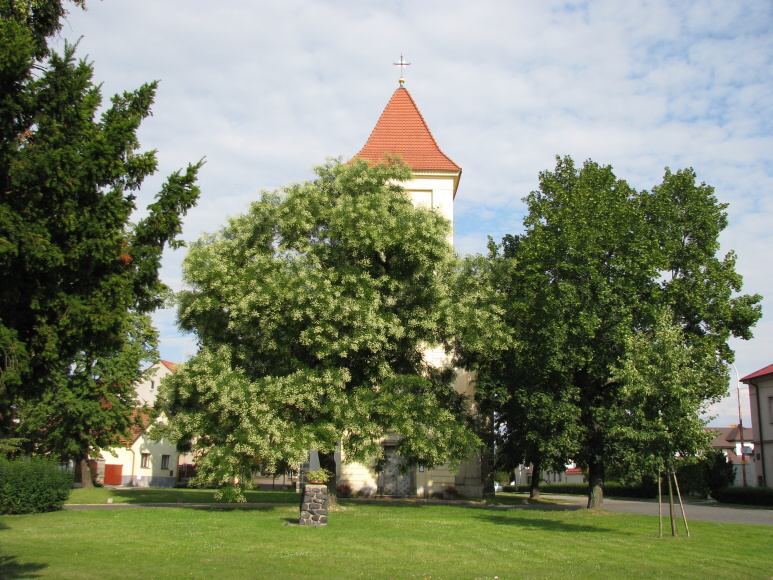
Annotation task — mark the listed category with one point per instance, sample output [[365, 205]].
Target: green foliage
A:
[[31, 485], [312, 314], [720, 472], [318, 476], [76, 277], [661, 399], [710, 472], [762, 496], [11, 446], [620, 312], [95, 409], [230, 494]]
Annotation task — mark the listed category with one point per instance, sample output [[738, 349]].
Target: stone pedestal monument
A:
[[314, 504]]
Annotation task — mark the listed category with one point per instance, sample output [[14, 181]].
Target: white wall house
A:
[[761, 401], [141, 461], [728, 440]]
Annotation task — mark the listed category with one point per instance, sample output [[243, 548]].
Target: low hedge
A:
[[611, 489], [744, 495], [32, 484]]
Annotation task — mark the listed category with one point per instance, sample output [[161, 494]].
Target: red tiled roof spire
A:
[[402, 131]]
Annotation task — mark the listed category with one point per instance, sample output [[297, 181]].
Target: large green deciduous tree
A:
[[532, 408], [312, 313], [597, 262], [76, 277]]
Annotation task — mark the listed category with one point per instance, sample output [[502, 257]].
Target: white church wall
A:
[[433, 191]]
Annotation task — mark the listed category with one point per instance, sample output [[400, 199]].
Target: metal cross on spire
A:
[[402, 64]]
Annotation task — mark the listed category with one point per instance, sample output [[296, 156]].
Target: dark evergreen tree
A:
[[76, 277]]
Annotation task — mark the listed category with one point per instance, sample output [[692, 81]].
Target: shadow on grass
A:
[[544, 524], [197, 496], [468, 505], [10, 567], [220, 507]]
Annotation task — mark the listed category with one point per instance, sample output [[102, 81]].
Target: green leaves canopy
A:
[[587, 284], [312, 314]]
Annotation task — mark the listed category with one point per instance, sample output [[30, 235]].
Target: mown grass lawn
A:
[[373, 541]]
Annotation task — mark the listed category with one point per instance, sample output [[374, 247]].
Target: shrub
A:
[[32, 484], [451, 492], [712, 471], [611, 489], [344, 490], [646, 490], [510, 488], [744, 495], [692, 476], [230, 494], [568, 488], [720, 472]]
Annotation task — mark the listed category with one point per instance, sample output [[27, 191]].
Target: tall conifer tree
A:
[[76, 277]]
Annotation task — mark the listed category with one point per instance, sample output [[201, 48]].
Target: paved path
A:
[[709, 511]]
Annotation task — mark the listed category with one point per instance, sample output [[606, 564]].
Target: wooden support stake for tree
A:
[[660, 506], [681, 504], [671, 505]]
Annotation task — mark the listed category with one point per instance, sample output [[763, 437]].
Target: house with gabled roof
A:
[[738, 448], [760, 384], [401, 131], [139, 460]]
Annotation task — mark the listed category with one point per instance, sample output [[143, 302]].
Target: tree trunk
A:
[[327, 461], [671, 504], [595, 483], [488, 457], [84, 472], [660, 506], [536, 475]]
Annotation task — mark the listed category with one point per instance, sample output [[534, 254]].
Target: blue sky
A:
[[265, 91]]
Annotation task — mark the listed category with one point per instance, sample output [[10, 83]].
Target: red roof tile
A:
[[726, 437], [170, 365], [768, 370], [141, 419], [401, 130]]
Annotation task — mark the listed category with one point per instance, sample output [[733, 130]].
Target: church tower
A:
[[401, 131]]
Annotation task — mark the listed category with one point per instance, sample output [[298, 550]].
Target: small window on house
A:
[[770, 409], [145, 463], [152, 384], [164, 462]]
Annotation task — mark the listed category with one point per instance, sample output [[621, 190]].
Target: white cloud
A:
[[267, 90]]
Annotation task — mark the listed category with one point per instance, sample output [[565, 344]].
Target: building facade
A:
[[760, 384]]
